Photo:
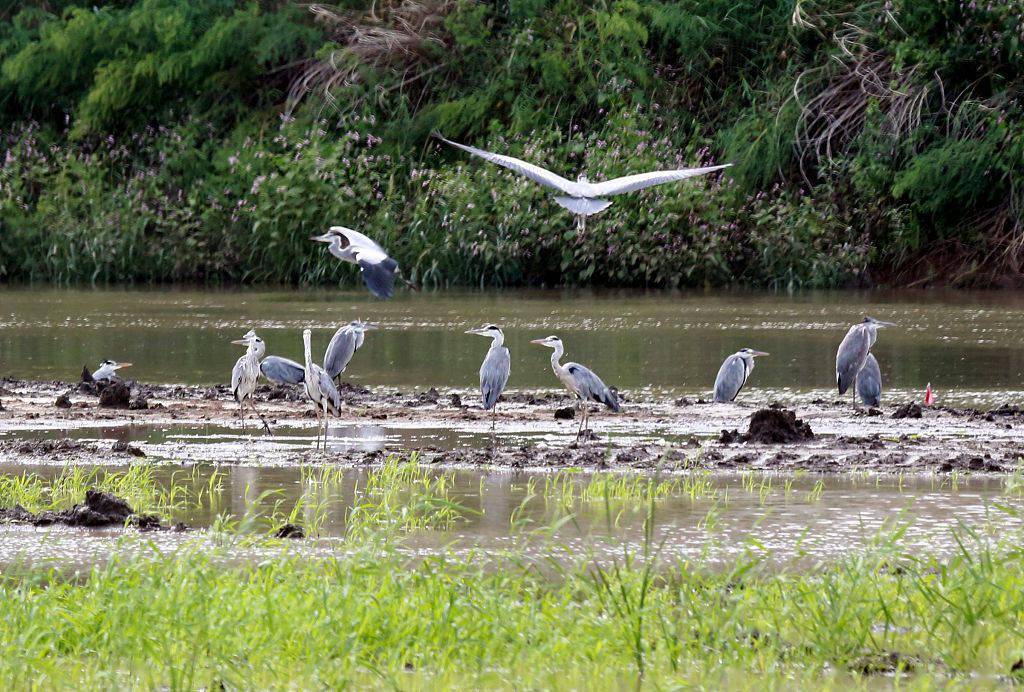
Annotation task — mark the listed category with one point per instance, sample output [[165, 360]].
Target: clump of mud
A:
[[771, 426], [565, 413], [289, 531], [115, 395], [911, 410], [99, 509]]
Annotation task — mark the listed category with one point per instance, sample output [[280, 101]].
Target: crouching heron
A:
[[108, 370], [734, 374], [245, 373], [495, 369], [320, 389], [345, 342], [854, 350], [869, 382], [580, 381]]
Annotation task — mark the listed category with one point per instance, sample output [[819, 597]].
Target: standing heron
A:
[[108, 370], [583, 198], [345, 342], [495, 369], [869, 382], [853, 351], [245, 373], [282, 370], [734, 373], [377, 268], [580, 381], [320, 389]]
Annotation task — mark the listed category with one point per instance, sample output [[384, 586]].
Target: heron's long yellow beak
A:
[[541, 342]]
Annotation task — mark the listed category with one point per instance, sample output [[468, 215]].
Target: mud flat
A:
[[61, 423]]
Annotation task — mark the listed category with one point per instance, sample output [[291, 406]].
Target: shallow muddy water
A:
[[970, 346], [797, 519]]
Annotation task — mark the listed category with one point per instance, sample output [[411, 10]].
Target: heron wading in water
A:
[[343, 345], [584, 198], [854, 350], [734, 374], [245, 374], [376, 266], [320, 389], [581, 382], [495, 369]]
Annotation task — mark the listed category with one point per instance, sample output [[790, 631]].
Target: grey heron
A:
[[580, 381], [495, 369], [734, 373], [854, 349], [108, 370], [282, 370], [345, 342], [584, 198], [377, 268], [320, 389], [869, 382], [245, 373]]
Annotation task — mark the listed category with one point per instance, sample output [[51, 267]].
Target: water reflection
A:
[[666, 340]]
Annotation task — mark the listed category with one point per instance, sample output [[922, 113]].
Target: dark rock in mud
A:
[[347, 388], [138, 403], [565, 413], [455, 401], [683, 401], [99, 509], [122, 447], [289, 531], [47, 447], [63, 401], [777, 426], [1005, 410], [115, 395], [87, 375], [884, 663], [431, 396], [911, 410], [729, 437]]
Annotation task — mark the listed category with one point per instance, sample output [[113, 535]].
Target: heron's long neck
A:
[[335, 249], [872, 335], [309, 353], [497, 341], [556, 355]]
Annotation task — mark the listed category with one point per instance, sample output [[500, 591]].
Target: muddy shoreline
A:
[[63, 422]]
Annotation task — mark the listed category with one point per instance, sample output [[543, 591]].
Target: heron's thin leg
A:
[[327, 423], [316, 410], [579, 409], [262, 419], [241, 415]]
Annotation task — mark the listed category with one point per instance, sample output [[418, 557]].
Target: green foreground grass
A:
[[375, 615]]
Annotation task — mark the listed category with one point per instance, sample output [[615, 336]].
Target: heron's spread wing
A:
[[851, 356], [590, 386], [282, 370], [731, 378], [379, 277], [494, 376], [631, 183], [524, 168], [339, 351], [359, 242]]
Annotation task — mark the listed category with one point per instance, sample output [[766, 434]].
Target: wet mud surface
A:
[[62, 422], [99, 509]]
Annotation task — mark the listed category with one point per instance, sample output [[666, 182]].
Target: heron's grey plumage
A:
[[343, 345], [582, 197], [320, 389], [282, 370], [734, 373], [246, 373], [854, 349], [590, 387], [495, 369], [376, 267], [869, 382]]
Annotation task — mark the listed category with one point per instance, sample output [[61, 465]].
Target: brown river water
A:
[[969, 346]]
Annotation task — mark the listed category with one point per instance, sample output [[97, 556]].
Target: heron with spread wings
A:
[[376, 266], [584, 198]]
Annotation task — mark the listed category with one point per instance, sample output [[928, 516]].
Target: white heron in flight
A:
[[580, 381], [734, 373], [376, 266], [320, 389], [854, 350], [584, 198], [495, 369], [245, 373], [108, 370]]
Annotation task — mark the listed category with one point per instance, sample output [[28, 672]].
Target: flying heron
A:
[[580, 381], [853, 351], [245, 373], [495, 369], [377, 268], [869, 382], [108, 370], [734, 373], [345, 342], [320, 389], [583, 197]]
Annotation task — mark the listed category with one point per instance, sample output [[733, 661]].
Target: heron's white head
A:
[[751, 353], [360, 326], [878, 323], [582, 178], [333, 233], [113, 364], [490, 330], [549, 341], [249, 338]]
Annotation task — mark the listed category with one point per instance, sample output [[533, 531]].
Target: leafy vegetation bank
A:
[[206, 140]]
